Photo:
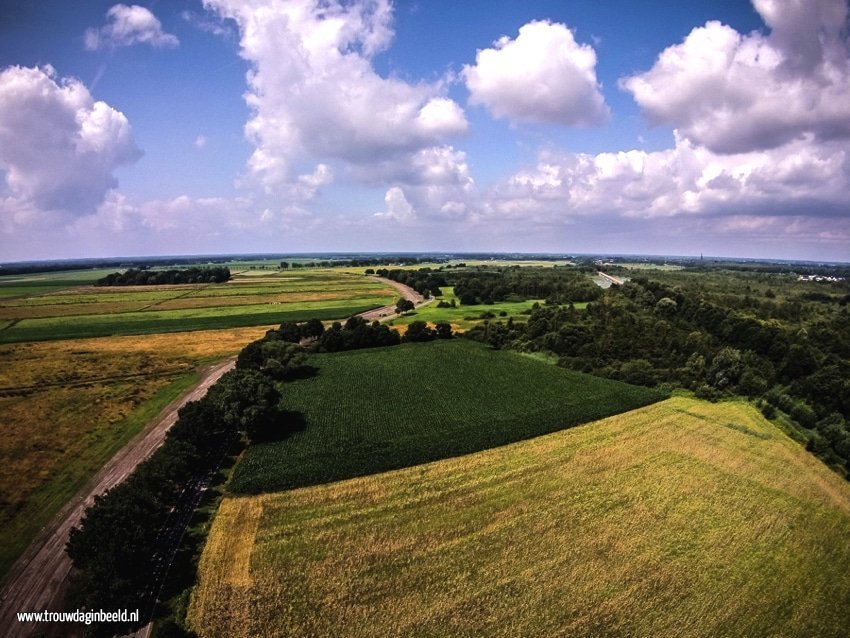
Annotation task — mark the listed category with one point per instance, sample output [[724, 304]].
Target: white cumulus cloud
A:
[[315, 96], [126, 26], [58, 146], [398, 208], [543, 75], [687, 181], [735, 93]]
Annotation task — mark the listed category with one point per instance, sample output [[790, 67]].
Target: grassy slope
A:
[[57, 484], [373, 410], [679, 519]]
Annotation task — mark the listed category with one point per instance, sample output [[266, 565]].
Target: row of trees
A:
[[490, 285], [356, 333], [136, 277], [357, 262], [649, 333], [123, 536], [557, 285], [418, 331]]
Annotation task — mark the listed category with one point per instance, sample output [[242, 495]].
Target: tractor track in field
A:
[[78, 383]]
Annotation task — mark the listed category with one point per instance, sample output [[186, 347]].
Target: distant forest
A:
[[136, 277], [780, 342]]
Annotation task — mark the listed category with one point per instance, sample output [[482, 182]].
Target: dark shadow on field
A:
[[286, 423], [301, 372]]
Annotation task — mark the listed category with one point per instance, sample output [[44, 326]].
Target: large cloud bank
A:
[[761, 122], [315, 95], [58, 146], [735, 93]]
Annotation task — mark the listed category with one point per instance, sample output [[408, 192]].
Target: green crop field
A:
[[42, 283], [683, 519], [177, 320], [42, 312], [373, 410]]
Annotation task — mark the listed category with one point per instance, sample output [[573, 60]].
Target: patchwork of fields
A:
[[69, 401], [384, 408], [30, 312], [681, 519]]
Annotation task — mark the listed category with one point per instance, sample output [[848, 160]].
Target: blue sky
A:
[[287, 126]]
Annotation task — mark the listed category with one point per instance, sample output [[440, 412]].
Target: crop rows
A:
[[374, 410], [662, 521]]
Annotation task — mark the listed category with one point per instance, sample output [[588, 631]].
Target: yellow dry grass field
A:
[[681, 519], [68, 406]]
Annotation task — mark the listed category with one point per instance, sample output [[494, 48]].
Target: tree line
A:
[[356, 333], [793, 358], [139, 277], [114, 548], [484, 285], [556, 285], [358, 262]]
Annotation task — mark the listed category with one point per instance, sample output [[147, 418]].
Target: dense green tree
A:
[[312, 329], [404, 305], [290, 331], [419, 331], [443, 330], [247, 401]]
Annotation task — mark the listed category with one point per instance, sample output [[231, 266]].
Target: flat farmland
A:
[[87, 311], [373, 410], [68, 406], [682, 519], [40, 283], [465, 317]]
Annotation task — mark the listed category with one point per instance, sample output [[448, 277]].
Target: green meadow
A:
[[465, 317]]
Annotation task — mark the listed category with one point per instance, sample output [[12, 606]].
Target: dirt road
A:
[[387, 312], [37, 580], [614, 280]]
